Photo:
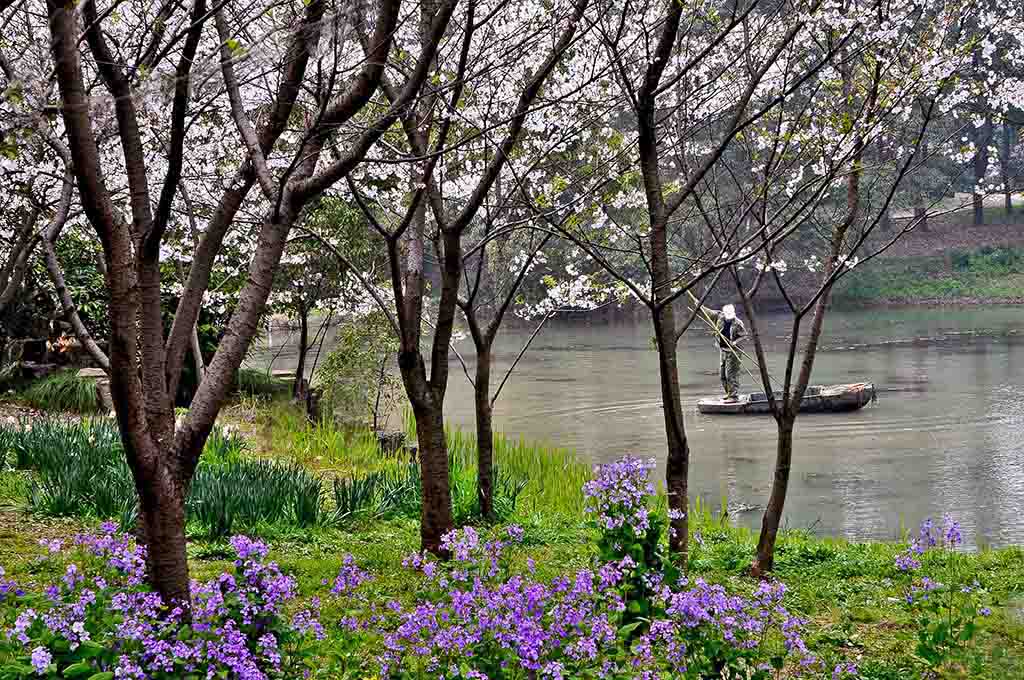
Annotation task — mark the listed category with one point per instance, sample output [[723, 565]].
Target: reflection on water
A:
[[947, 433]]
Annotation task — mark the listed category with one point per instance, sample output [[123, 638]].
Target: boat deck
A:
[[817, 399]]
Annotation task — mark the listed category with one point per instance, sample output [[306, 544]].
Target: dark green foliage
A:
[[47, 443], [990, 260], [81, 471], [64, 391], [397, 492], [223, 446], [81, 467], [248, 493], [400, 492], [258, 383], [357, 497], [990, 273]]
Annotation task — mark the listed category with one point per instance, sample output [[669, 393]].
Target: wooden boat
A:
[[818, 399]]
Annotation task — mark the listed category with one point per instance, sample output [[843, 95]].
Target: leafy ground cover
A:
[[911, 610], [851, 595]]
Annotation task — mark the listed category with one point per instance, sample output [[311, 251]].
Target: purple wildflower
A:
[[618, 495], [41, 660]]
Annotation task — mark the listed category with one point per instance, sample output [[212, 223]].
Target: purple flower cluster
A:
[[569, 627], [238, 627], [349, 577], [471, 558], [929, 536], [619, 493], [8, 588], [629, 615]]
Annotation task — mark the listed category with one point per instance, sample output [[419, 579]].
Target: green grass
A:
[[990, 274], [254, 382], [63, 391], [552, 478], [850, 593]]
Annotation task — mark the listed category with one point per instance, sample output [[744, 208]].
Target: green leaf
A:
[[77, 669], [105, 675], [627, 630], [90, 649]]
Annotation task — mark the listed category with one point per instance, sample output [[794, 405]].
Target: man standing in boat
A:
[[730, 331]]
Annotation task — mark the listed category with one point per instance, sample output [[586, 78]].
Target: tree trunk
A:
[[436, 511], [677, 465], [197, 356], [884, 158], [982, 137], [1005, 156], [921, 217], [921, 202], [162, 511], [765, 559], [484, 433], [299, 388]]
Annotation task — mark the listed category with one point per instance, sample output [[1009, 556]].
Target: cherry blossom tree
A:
[[486, 91], [900, 62], [140, 84], [688, 99]]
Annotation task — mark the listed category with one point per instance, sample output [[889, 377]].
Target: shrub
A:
[[64, 391], [356, 379]]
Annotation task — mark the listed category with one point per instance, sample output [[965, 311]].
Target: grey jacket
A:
[[737, 331]]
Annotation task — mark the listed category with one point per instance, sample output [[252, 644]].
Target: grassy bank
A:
[[988, 276], [851, 595]]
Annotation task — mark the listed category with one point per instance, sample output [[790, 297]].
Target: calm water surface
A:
[[947, 433]]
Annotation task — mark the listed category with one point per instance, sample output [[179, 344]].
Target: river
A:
[[946, 435]]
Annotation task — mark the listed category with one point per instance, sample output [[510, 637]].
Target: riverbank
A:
[[949, 262], [986, 276], [852, 596]]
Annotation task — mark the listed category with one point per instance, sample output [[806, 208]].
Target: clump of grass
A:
[[80, 467], [249, 493], [356, 498], [80, 470], [64, 391], [224, 446], [554, 476], [6, 444], [252, 382]]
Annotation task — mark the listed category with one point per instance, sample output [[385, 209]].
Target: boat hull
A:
[[829, 399]]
